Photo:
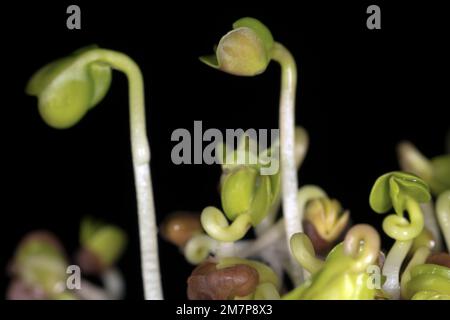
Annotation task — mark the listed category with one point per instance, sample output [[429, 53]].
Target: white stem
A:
[[225, 249], [293, 221], [270, 237], [420, 257], [141, 164], [301, 147], [392, 266]]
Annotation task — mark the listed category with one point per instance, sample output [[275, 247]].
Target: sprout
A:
[[303, 251], [39, 266], [428, 278], [402, 191], [101, 246], [217, 226], [424, 239], [343, 274], [247, 194], [66, 89], [435, 172], [324, 221], [362, 243], [420, 256], [244, 51], [247, 51]]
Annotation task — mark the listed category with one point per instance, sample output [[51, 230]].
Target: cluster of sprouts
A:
[[40, 266], [298, 232]]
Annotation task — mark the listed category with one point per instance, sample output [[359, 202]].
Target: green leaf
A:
[[336, 281], [262, 200], [64, 103], [40, 262], [238, 190], [392, 190], [380, 199], [259, 28], [441, 174], [244, 51], [210, 60], [67, 88], [241, 52], [101, 76], [108, 243], [44, 76], [88, 228], [428, 277]]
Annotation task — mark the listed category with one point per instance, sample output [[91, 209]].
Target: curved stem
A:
[[304, 195], [400, 228], [141, 165], [412, 160], [303, 250], [198, 248], [216, 225], [293, 221], [420, 256], [443, 215], [366, 254], [392, 265]]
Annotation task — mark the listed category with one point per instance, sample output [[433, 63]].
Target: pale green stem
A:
[[198, 248], [304, 195], [443, 215], [301, 147], [392, 265], [399, 228], [216, 225], [303, 251], [293, 221], [141, 164], [432, 224], [412, 160], [420, 256], [404, 232]]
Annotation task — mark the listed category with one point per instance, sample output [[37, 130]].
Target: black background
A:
[[360, 92]]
